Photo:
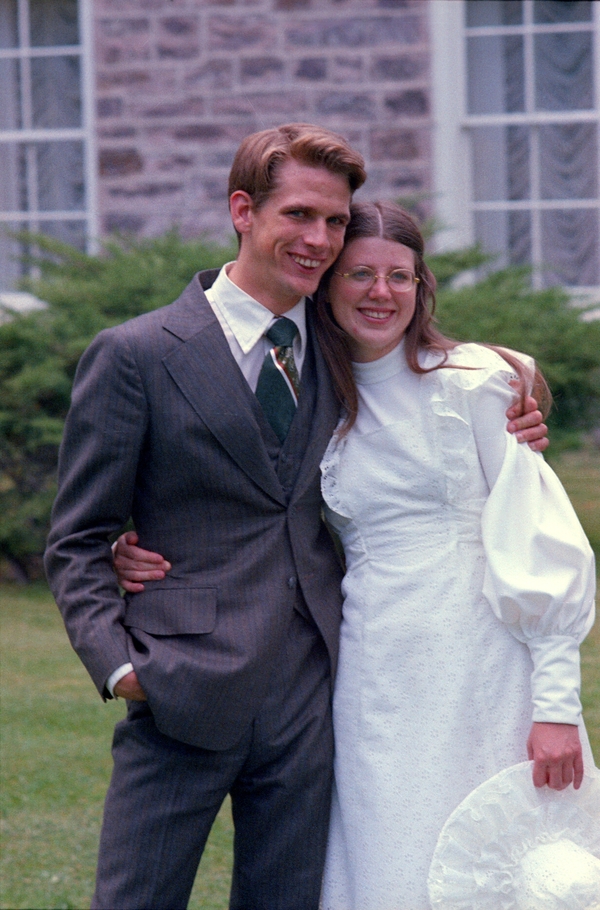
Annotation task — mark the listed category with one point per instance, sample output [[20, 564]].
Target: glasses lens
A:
[[400, 280], [361, 275]]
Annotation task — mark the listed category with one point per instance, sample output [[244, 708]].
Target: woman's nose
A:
[[379, 288]]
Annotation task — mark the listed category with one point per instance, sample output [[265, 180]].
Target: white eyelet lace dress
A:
[[469, 586]]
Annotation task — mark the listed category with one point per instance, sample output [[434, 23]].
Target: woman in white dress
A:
[[469, 581]]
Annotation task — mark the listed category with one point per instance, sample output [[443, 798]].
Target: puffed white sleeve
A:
[[540, 574]]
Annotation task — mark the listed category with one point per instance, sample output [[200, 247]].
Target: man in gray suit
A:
[[228, 662]]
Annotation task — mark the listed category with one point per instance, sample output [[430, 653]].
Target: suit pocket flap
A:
[[172, 611]]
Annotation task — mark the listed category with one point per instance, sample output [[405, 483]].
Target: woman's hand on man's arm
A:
[[134, 565]]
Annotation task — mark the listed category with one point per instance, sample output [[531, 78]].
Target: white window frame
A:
[[33, 219], [453, 186]]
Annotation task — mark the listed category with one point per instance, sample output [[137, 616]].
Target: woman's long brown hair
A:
[[391, 222]]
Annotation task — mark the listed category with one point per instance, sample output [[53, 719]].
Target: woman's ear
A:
[[241, 207]]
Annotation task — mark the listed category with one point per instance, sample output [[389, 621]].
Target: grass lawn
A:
[[55, 758], [55, 766]]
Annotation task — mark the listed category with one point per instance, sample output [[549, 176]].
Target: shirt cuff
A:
[[116, 675], [556, 679]]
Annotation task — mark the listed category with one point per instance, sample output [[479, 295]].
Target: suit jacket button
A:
[[292, 582]]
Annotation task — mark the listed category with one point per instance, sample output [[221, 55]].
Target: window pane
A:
[[570, 242], [71, 232], [56, 92], [495, 75], [11, 269], [494, 12], [508, 149], [10, 113], [569, 161], [60, 176], [563, 72], [8, 23], [506, 235], [13, 196], [550, 11], [53, 22]]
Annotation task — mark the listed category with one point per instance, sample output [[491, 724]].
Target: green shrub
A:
[[39, 353], [503, 309]]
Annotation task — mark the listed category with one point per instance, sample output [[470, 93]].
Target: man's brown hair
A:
[[260, 156]]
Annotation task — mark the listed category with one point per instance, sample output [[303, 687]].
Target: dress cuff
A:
[[116, 675], [556, 679]]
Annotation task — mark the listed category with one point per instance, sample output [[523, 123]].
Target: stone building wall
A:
[[181, 82]]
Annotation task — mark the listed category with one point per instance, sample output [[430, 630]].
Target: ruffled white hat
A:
[[513, 846]]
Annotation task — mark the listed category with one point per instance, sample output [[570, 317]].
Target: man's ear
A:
[[242, 210]]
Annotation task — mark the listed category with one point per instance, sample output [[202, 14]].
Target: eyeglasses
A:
[[399, 280]]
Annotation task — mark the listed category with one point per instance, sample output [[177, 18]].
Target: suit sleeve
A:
[[98, 463]]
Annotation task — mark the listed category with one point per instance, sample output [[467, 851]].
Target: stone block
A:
[[136, 84], [346, 104], [285, 104], [122, 223], [411, 103], [179, 26], [117, 132], [214, 74], [186, 107], [137, 5], [122, 28], [367, 31], [395, 145], [150, 190], [109, 107], [265, 68], [120, 162], [178, 38], [131, 79], [118, 40], [346, 69], [399, 68], [174, 162], [199, 132], [240, 33], [314, 68]]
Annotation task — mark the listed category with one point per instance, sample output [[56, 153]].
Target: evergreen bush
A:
[[84, 294]]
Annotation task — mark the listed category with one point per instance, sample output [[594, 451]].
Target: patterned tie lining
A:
[[279, 382], [283, 359]]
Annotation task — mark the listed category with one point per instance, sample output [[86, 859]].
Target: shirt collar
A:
[[248, 320]]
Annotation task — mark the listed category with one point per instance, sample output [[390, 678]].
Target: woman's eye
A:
[[361, 274]]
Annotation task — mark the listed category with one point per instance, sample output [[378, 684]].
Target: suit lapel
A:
[[207, 374]]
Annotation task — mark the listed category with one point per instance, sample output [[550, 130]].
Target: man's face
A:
[[292, 239]]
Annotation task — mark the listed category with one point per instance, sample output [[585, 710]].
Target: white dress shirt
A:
[[244, 322]]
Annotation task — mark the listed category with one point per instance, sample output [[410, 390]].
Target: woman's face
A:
[[375, 318]]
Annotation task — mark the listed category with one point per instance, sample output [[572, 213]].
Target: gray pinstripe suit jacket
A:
[[164, 428]]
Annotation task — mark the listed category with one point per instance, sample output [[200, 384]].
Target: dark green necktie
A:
[[279, 383]]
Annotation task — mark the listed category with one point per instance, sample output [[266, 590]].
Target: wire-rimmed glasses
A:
[[399, 280]]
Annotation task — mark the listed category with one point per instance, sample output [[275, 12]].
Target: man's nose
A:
[[316, 233]]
